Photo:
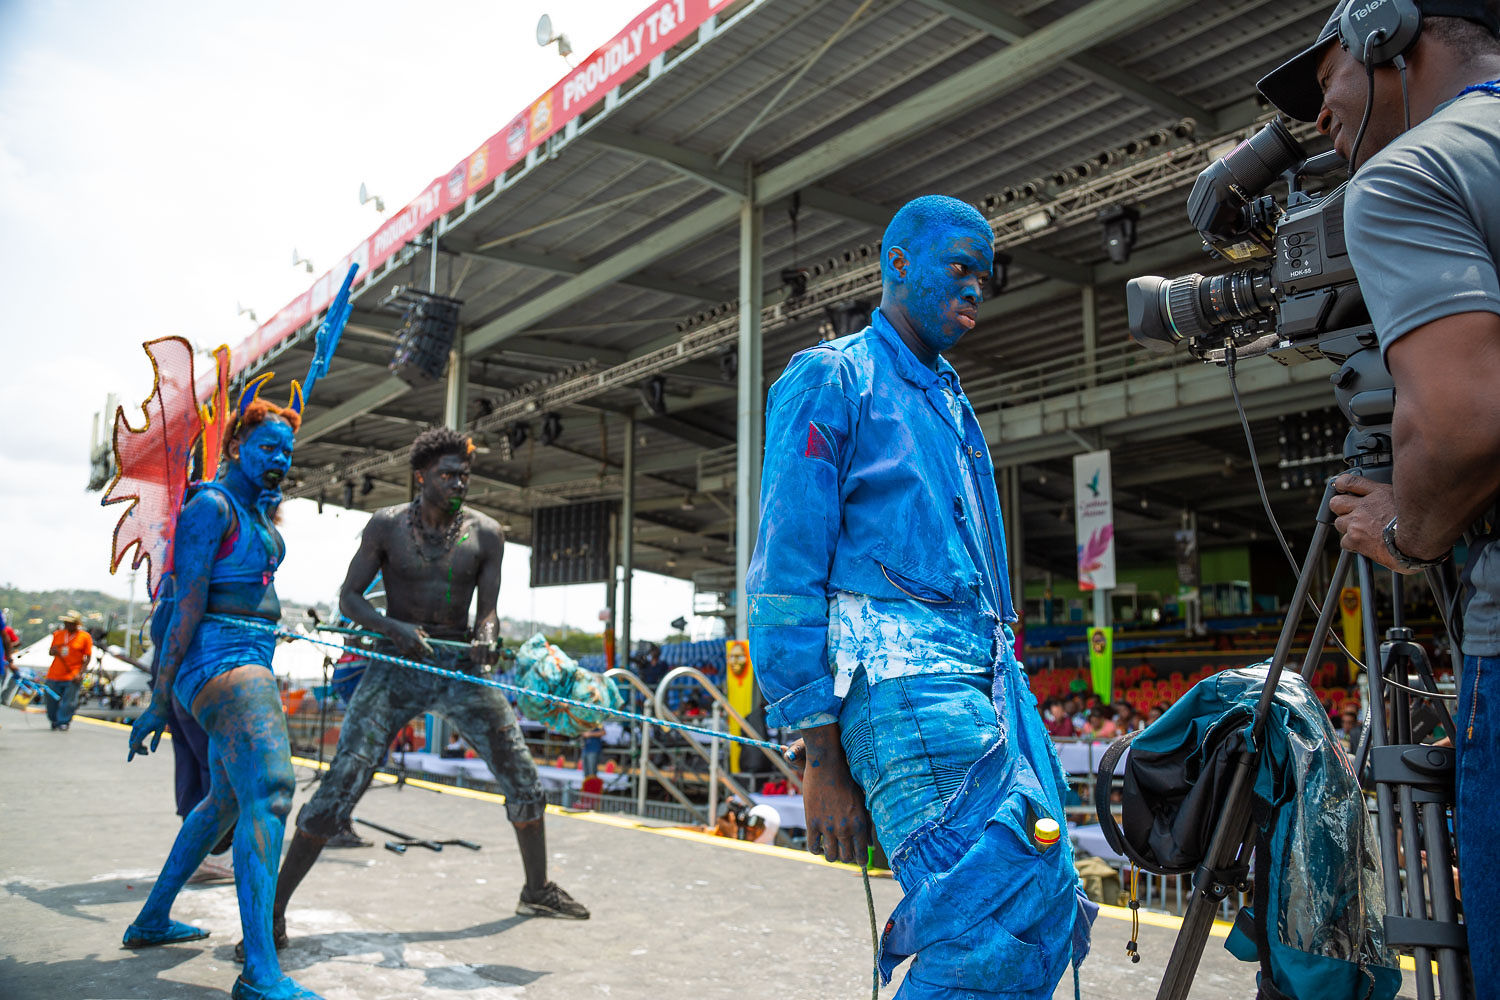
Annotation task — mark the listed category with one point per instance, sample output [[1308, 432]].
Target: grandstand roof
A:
[[610, 252]]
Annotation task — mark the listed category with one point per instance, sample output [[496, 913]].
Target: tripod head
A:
[[1366, 395]]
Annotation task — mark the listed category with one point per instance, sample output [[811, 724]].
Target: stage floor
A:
[[675, 915]]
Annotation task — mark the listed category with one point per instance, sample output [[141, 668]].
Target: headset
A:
[[1378, 32]]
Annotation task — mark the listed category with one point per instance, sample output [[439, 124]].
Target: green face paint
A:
[[455, 504]]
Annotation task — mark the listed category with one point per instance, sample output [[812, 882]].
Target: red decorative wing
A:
[[215, 415], [152, 461]]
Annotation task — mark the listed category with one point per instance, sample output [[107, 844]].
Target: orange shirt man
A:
[[71, 649]]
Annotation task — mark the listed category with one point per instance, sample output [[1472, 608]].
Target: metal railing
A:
[[717, 775], [648, 770]]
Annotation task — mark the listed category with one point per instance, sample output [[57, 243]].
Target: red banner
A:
[[657, 29]]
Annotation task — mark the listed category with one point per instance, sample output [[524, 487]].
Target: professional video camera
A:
[[1297, 284]]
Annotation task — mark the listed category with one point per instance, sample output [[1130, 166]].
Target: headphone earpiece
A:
[[1389, 28]]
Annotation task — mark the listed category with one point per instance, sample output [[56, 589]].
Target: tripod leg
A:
[[1325, 617]]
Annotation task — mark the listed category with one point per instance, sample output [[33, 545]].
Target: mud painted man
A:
[[226, 551], [434, 554], [879, 605]]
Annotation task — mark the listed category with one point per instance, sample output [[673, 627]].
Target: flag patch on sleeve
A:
[[820, 443]]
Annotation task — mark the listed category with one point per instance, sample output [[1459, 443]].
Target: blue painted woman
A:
[[225, 552]]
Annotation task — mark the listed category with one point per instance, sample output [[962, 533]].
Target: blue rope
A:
[[490, 682]]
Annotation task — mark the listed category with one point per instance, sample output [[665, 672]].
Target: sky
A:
[[159, 163]]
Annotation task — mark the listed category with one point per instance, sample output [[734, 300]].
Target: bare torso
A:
[[430, 577]]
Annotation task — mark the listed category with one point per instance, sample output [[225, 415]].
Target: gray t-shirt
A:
[[1423, 223]]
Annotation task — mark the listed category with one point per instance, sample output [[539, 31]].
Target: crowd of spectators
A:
[[1087, 715]]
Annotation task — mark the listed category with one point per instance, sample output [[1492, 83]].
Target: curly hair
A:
[[256, 414], [435, 442]]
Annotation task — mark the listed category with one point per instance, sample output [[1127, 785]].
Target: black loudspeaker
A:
[[1388, 28], [571, 544], [425, 338]]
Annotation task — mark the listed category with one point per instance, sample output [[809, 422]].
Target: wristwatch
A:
[[1402, 559]]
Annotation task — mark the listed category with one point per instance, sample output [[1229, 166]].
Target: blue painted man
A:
[[225, 552], [879, 604]]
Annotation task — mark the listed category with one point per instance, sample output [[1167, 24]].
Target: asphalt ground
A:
[[675, 914]]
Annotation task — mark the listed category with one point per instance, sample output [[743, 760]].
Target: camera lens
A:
[[1165, 311]]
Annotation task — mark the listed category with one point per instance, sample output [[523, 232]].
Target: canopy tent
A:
[[126, 677]]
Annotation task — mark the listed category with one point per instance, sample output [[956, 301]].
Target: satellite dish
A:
[[544, 30]]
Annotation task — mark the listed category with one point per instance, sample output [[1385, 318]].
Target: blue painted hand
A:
[[151, 723]]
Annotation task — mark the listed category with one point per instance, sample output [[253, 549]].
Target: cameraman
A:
[[1423, 223]]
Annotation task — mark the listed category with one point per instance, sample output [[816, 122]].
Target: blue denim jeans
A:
[[910, 741], [1478, 816], [61, 708]]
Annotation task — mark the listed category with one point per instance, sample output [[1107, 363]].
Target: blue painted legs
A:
[[252, 790]]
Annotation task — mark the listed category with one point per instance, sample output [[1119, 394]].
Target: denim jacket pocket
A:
[[916, 590]]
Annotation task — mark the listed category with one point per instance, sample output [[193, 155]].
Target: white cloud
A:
[[159, 161]]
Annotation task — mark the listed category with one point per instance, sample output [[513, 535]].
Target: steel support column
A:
[[1090, 301], [456, 400], [1015, 535], [627, 546], [750, 409]]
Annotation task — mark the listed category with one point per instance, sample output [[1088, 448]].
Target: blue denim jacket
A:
[[860, 493]]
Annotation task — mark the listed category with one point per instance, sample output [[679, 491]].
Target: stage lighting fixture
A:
[[545, 37], [366, 196], [848, 317], [729, 364], [1000, 276], [349, 494], [794, 280], [551, 429], [679, 624], [654, 395], [517, 434], [246, 311], [300, 261], [367, 485], [1036, 221], [322, 499], [1119, 222]]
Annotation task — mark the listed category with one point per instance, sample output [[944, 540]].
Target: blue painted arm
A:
[[808, 426], [327, 339], [200, 529]]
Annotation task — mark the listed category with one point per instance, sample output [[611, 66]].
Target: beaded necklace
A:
[[1491, 87]]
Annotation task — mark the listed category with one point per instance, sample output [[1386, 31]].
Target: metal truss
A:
[[854, 274]]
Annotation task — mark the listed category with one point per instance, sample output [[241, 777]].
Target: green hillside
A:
[[34, 613]]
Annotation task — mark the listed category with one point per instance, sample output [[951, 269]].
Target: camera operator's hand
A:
[[1363, 508]]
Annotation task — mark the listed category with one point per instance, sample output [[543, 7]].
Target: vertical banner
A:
[[739, 679], [1094, 517], [1353, 621], [1102, 662]]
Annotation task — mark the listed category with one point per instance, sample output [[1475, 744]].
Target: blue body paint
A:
[[238, 705], [937, 255]]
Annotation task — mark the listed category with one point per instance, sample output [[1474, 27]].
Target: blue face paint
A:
[[936, 257], [945, 275], [265, 454]]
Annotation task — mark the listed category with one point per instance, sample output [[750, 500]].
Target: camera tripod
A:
[[1414, 784]]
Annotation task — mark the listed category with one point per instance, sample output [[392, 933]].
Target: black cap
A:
[[1292, 88]]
